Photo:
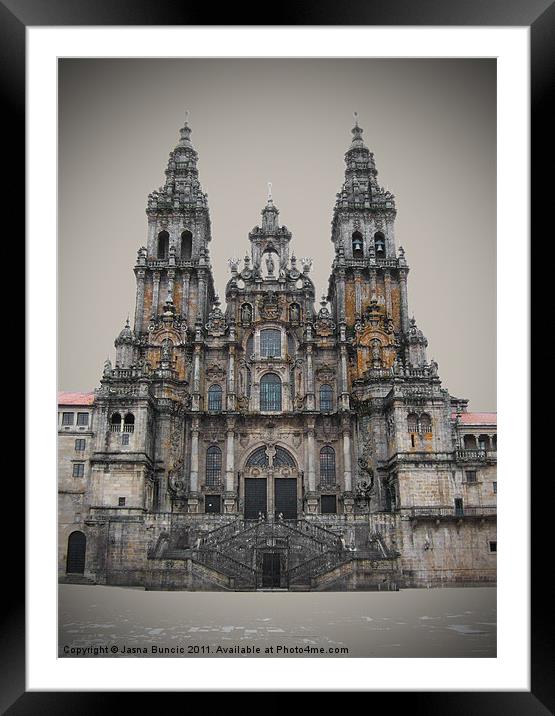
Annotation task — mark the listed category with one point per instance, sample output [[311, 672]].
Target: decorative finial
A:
[[187, 116], [355, 115], [127, 321], [270, 192]]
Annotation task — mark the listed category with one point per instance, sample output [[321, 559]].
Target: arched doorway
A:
[[76, 547], [271, 484]]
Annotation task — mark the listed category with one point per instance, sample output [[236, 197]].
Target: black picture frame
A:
[[539, 16]]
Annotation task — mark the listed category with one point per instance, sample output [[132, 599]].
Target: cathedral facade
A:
[[272, 443]]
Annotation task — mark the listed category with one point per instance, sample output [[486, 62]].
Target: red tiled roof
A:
[[477, 418], [65, 398]]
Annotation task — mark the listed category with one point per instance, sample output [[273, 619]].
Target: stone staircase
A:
[[307, 551]]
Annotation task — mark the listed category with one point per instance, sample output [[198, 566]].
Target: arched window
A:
[[115, 423], [425, 423], [186, 246], [327, 465], [259, 458], [379, 244], [358, 245], [76, 547], [213, 465], [326, 398], [412, 422], [282, 458], [163, 245], [270, 393], [214, 397], [469, 442], [270, 343], [129, 423]]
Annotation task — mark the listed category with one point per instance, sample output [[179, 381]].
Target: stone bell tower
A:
[[175, 262]]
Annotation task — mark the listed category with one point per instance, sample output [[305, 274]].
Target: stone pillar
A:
[[155, 292], [196, 378], [344, 379], [348, 500], [309, 379], [373, 285], [311, 495], [404, 300], [387, 285], [230, 493], [358, 293], [231, 395], [171, 277], [139, 300], [186, 278], [193, 500], [341, 295], [202, 295]]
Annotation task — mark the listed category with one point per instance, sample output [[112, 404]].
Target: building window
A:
[[425, 423], [115, 423], [471, 476], [495, 488], [270, 393], [67, 418], [186, 245], [82, 418], [327, 465], [326, 398], [493, 546], [163, 245], [328, 504], [214, 397], [212, 504], [469, 442], [379, 245], [213, 465], [79, 445], [412, 422], [459, 509], [121, 501], [129, 423], [270, 343], [78, 469], [125, 439], [358, 246]]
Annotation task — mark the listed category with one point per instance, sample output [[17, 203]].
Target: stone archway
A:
[[76, 548], [271, 484]]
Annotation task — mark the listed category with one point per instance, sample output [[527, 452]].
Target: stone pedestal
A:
[[193, 502], [312, 501], [230, 503], [349, 504]]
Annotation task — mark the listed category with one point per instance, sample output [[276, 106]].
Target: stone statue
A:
[[294, 313], [246, 313], [270, 265]]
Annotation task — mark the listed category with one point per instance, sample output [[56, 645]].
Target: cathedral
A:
[[272, 442]]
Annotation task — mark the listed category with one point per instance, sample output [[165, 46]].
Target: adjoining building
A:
[[272, 444]]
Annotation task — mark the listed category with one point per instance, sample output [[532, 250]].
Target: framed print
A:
[[272, 454]]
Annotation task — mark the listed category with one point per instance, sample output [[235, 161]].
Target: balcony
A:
[[475, 455], [453, 513]]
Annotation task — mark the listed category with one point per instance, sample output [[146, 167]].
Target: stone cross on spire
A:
[[270, 199]]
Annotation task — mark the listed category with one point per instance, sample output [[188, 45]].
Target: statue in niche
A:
[[376, 353], [294, 313], [246, 314], [270, 264], [433, 368]]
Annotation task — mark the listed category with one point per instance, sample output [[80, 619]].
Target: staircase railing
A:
[[320, 534], [304, 572], [223, 533], [227, 565]]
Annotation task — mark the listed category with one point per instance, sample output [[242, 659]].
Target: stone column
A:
[[139, 300], [155, 292], [358, 293], [344, 379], [196, 378], [348, 500], [387, 285], [231, 396], [404, 300], [230, 494], [202, 295], [309, 379], [373, 285], [171, 277], [311, 495], [186, 278], [193, 501], [341, 295]]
